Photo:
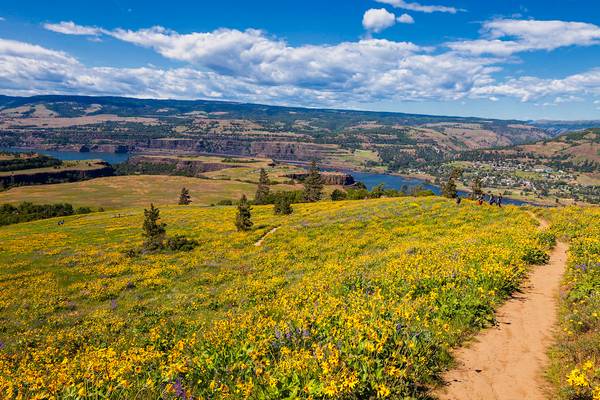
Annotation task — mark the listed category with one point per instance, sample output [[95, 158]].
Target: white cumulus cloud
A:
[[378, 19], [406, 19], [419, 7], [508, 36], [70, 28], [251, 65]]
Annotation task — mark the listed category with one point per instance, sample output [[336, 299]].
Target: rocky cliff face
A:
[[176, 166], [272, 149], [22, 178]]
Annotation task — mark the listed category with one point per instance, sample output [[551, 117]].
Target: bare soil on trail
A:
[[507, 361], [262, 239]]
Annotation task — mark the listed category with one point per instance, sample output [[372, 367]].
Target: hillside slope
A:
[[354, 299], [125, 124], [578, 148]]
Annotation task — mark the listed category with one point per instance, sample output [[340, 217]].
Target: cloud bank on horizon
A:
[[252, 65]]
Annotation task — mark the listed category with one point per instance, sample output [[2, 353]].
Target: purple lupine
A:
[[1, 344], [399, 327], [582, 267], [113, 304], [179, 390]]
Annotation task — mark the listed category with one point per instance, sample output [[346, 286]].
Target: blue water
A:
[[397, 182], [111, 158]]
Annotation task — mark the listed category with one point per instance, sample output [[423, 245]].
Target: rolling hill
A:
[[301, 306], [579, 148], [334, 136]]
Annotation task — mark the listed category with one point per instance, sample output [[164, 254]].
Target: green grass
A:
[[78, 165], [128, 191], [575, 368]]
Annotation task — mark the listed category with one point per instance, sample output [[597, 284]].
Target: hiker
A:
[[499, 202], [480, 200], [492, 199], [458, 200]]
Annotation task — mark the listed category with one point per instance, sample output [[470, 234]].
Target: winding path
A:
[[507, 362], [262, 239]]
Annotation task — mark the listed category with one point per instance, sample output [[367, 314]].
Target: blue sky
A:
[[529, 59]]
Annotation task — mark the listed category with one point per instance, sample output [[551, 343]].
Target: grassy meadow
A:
[[576, 356], [133, 191], [354, 299], [74, 165]]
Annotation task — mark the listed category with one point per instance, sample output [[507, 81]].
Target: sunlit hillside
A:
[[345, 299]]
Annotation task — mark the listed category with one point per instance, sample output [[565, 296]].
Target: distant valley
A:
[[527, 159]]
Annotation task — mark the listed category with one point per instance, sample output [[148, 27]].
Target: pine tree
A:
[[184, 197], [449, 189], [262, 192], [313, 184], [243, 220], [283, 204], [476, 188], [153, 231]]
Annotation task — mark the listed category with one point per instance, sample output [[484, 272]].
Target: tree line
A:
[[25, 212]]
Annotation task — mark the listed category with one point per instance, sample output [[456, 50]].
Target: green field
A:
[[135, 190], [79, 165]]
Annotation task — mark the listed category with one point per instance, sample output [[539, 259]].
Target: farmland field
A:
[[128, 191], [350, 299]]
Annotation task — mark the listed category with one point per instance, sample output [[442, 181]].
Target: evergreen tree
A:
[[153, 231], [184, 197], [313, 184], [283, 204], [262, 192], [476, 188], [449, 189], [242, 219], [338, 194]]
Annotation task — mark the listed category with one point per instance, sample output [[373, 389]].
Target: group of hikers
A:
[[491, 198]]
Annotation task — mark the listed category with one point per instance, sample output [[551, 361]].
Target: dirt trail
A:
[[262, 239], [508, 360]]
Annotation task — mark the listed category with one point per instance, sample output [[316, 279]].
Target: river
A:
[[111, 158], [398, 182], [370, 179]]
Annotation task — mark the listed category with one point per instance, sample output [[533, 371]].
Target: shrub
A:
[[546, 239], [181, 243], [338, 194], [283, 204], [535, 256]]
